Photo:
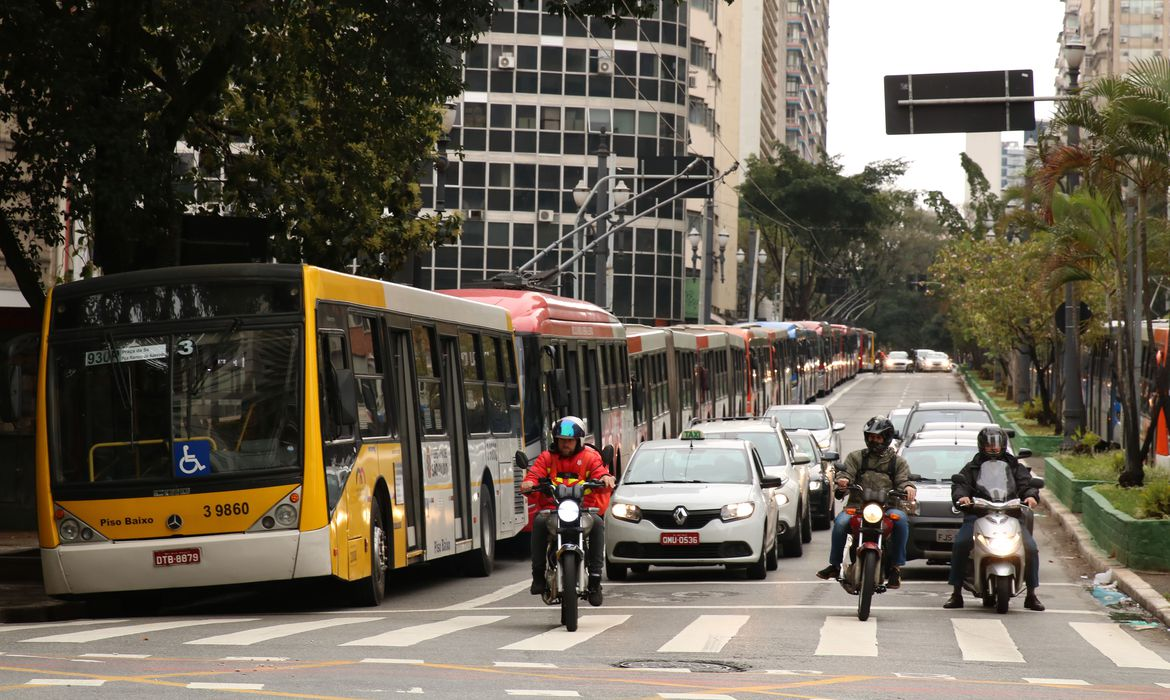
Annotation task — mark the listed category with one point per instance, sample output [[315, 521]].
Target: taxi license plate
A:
[[177, 557], [945, 535], [677, 538]]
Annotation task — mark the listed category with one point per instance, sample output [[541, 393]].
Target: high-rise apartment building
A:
[[806, 83], [1116, 34]]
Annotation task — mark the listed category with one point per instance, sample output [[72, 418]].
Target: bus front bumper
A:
[[104, 567]]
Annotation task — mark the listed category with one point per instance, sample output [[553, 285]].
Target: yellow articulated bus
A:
[[229, 424]]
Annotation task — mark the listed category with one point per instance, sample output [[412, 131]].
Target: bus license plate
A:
[[177, 557], [945, 535], [676, 538]]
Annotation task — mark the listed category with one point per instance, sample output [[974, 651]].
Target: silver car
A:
[[692, 502], [794, 527], [813, 418]]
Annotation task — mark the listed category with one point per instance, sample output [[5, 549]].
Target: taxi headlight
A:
[[286, 515], [738, 511], [872, 513], [568, 511], [626, 511], [814, 486], [69, 530]]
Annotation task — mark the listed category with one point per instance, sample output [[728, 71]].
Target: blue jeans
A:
[[897, 544], [965, 542]]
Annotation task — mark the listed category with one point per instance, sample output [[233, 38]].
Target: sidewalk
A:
[[22, 594], [1147, 589]]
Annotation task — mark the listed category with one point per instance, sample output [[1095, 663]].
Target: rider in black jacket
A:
[[964, 486]]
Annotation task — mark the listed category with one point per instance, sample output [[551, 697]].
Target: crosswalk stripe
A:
[[46, 625], [263, 634], [1055, 681], [127, 630], [1122, 649], [847, 636], [409, 636], [708, 633], [985, 640], [561, 639]]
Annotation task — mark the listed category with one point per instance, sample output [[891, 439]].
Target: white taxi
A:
[[692, 502]]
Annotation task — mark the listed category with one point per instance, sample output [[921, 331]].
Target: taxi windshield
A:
[[684, 465]]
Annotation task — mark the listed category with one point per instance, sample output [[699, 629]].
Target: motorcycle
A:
[[995, 572], [564, 572], [870, 530]]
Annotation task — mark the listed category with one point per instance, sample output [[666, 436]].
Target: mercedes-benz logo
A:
[[680, 515], [174, 522]]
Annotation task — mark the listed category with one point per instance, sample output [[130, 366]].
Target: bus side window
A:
[[332, 357], [474, 395], [367, 354], [430, 395]]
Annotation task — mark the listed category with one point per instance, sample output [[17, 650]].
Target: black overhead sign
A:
[[997, 114]]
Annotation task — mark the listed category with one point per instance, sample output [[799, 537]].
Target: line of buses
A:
[[231, 424]]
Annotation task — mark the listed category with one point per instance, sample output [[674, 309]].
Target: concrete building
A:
[[806, 81], [1116, 34], [762, 52]]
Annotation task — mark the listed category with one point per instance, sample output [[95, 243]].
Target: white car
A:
[[899, 361], [813, 418], [777, 453], [933, 361], [692, 502]]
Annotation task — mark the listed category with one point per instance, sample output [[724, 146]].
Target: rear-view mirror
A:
[[801, 458], [829, 456], [771, 482], [607, 454], [521, 461], [1010, 432], [838, 427], [1024, 453]]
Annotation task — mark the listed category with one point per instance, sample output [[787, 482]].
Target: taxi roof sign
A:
[[691, 435]]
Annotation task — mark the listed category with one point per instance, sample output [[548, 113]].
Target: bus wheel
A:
[[371, 591], [480, 562]]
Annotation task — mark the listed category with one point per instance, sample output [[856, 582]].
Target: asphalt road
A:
[[697, 633]]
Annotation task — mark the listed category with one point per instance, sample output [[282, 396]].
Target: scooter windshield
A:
[[994, 478]]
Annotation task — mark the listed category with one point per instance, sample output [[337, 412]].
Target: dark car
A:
[[822, 473]]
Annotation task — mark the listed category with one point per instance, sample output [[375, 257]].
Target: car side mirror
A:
[[607, 454], [1024, 453], [771, 482], [838, 427], [801, 458], [1010, 432], [829, 456], [897, 435], [521, 461]]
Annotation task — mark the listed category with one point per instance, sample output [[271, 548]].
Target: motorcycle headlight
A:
[[737, 511], [1000, 545], [568, 511], [626, 511], [872, 513]]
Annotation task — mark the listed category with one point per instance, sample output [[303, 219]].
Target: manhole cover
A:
[[693, 666]]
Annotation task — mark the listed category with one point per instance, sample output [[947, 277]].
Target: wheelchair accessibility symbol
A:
[[192, 458]]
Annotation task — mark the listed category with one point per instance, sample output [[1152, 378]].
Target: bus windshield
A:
[[176, 408]]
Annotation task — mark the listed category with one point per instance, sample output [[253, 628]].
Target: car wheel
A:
[[772, 558], [759, 570], [794, 544]]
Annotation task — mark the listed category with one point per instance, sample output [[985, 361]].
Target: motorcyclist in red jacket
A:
[[571, 462]]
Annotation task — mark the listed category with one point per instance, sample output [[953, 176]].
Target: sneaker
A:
[[537, 586], [594, 588], [1032, 602], [955, 601], [829, 572], [894, 580]]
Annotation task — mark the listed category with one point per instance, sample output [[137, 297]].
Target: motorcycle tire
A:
[[570, 567], [1003, 594], [869, 565]]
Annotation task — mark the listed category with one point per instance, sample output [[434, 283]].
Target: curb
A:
[[1128, 581]]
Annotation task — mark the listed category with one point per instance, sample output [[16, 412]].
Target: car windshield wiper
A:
[[684, 481]]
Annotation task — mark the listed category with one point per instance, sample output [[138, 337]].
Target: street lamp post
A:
[[601, 204], [712, 261], [441, 163], [758, 259], [1074, 408]]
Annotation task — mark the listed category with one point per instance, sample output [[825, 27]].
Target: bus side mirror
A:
[[10, 385], [560, 389], [607, 455], [346, 388]]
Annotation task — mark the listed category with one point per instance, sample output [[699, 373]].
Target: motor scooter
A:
[[564, 571], [870, 529], [995, 571]]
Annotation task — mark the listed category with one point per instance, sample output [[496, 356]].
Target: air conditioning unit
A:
[[1125, 40], [475, 213], [605, 66], [506, 60], [545, 216], [1157, 38], [692, 81]]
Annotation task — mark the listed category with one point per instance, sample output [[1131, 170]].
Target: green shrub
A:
[[1154, 500], [1086, 441], [1095, 467], [1118, 460], [1033, 409]]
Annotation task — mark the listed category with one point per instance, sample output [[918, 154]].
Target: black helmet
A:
[[570, 427], [992, 441], [879, 433]]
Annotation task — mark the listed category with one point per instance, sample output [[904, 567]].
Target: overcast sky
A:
[[869, 39]]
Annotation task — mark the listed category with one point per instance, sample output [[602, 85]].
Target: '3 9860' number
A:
[[222, 510]]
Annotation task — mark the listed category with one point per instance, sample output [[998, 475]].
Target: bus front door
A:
[[457, 433]]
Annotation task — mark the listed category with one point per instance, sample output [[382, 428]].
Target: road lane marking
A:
[[505, 592], [842, 392], [226, 686], [560, 639], [1056, 681], [264, 634], [845, 636], [254, 658], [544, 693], [522, 664], [708, 633], [127, 630], [116, 656], [409, 636], [46, 625], [985, 640], [694, 696], [90, 682], [408, 662], [744, 606], [1122, 649]]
